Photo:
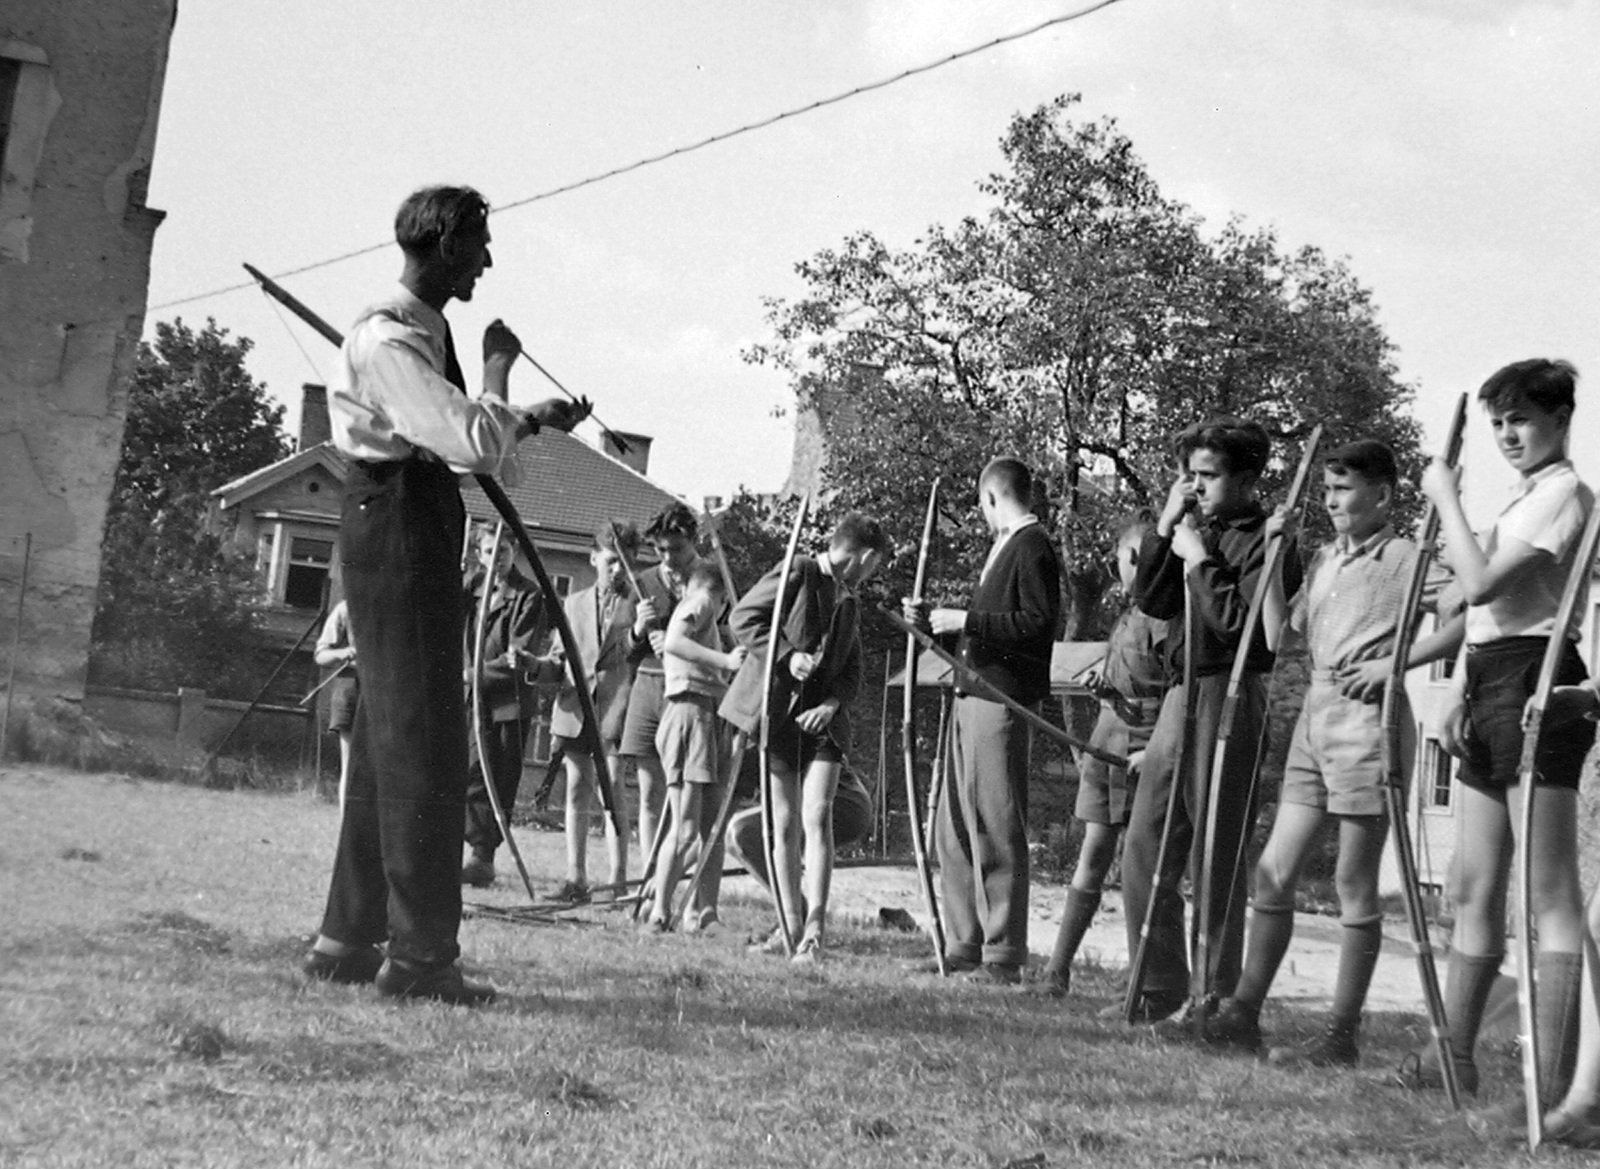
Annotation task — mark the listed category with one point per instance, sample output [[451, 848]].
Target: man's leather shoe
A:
[[478, 870], [1190, 1023], [444, 984], [359, 965], [995, 974]]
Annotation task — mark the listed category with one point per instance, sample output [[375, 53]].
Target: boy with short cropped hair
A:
[[688, 739], [1513, 584], [1004, 635], [1129, 683], [1210, 540], [816, 676], [1348, 614]]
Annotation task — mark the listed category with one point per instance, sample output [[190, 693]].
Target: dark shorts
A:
[[342, 695], [1501, 676], [794, 747], [644, 716], [1104, 793], [583, 744]]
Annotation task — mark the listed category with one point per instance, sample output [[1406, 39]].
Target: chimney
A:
[[637, 455], [314, 426]]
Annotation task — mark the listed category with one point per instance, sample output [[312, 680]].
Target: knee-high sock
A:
[[1271, 927], [1359, 943], [1075, 918], [1466, 992], [1560, 984]]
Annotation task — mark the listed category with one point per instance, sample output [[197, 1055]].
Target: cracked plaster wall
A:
[[74, 271]]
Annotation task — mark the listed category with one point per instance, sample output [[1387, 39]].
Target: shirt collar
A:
[[1549, 471], [427, 316], [1016, 526], [1343, 546], [1249, 514]]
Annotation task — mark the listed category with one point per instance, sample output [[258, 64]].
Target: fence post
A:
[[191, 715]]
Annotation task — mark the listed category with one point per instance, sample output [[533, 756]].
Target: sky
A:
[[1447, 149]]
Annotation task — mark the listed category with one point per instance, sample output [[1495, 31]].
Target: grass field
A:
[[151, 1013]]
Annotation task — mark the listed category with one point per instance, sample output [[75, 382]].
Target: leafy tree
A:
[[1079, 324], [177, 606]]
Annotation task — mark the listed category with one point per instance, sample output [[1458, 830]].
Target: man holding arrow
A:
[[1005, 637], [400, 415]]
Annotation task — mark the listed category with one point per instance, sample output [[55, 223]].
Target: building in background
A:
[[80, 91], [287, 516]]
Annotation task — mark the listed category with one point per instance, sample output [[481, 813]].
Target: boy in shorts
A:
[[672, 534], [1513, 584], [688, 739], [335, 649], [1129, 684], [1348, 615], [601, 617], [817, 675]]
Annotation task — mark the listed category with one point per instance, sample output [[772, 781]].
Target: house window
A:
[[10, 69], [563, 584], [1442, 670], [305, 584], [1438, 772]]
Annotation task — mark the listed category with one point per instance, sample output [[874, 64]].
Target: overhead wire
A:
[[678, 151], [295, 337]]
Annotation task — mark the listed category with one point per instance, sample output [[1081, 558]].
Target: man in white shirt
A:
[[400, 414]]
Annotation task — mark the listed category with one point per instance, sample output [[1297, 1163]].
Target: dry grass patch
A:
[[152, 1014]]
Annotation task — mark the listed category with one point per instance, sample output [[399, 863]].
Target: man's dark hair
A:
[[676, 519], [1010, 477], [434, 214], [858, 530], [620, 538], [1243, 445], [1369, 458], [1540, 382]]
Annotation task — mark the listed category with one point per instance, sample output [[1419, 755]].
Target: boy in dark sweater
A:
[[1006, 635], [1211, 539], [816, 676]]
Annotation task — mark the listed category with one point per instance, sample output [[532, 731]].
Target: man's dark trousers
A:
[[1166, 971], [397, 874]]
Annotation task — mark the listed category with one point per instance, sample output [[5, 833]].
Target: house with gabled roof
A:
[[568, 490], [288, 513]]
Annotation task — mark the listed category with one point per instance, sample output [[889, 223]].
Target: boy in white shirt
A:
[[696, 670], [1513, 584]]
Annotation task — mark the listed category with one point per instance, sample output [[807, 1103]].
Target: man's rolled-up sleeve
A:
[[470, 435]]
